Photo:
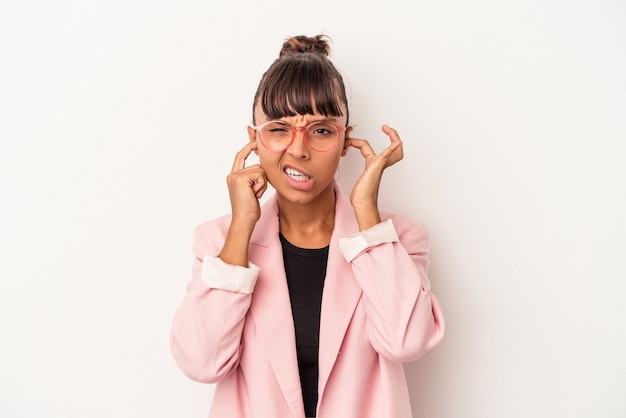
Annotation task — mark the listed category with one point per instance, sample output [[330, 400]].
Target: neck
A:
[[308, 225]]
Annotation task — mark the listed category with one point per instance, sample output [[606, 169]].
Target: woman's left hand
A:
[[364, 196]]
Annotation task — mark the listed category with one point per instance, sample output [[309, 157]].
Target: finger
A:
[[396, 142], [389, 155], [392, 134], [362, 145], [260, 190], [259, 186], [390, 131], [240, 158]]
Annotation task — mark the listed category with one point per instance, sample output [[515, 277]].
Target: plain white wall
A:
[[118, 124]]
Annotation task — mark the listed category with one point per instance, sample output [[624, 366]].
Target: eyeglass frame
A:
[[304, 129]]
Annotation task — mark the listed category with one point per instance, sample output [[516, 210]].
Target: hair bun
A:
[[302, 44]]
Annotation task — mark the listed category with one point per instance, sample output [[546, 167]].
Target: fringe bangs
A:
[[296, 86]]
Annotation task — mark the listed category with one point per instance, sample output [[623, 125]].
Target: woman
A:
[[309, 305]]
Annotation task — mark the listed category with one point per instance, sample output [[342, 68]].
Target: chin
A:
[[303, 196]]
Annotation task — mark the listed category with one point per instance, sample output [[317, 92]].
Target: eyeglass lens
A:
[[320, 136]]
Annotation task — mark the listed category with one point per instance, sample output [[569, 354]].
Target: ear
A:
[[252, 137], [344, 151]]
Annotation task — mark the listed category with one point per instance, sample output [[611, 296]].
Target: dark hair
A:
[[301, 77]]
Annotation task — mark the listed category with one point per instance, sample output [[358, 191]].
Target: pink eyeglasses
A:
[[320, 136]]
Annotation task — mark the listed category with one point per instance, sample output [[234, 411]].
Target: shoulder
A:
[[412, 234], [404, 224], [209, 236], [216, 224]]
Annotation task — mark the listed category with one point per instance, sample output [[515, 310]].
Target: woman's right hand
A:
[[246, 186]]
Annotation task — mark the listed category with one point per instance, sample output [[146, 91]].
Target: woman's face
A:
[[300, 174]]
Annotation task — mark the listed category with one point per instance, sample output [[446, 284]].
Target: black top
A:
[[306, 269]]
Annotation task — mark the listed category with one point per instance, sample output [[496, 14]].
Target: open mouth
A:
[[296, 175]]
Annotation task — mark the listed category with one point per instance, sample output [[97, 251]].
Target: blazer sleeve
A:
[[206, 334], [405, 319]]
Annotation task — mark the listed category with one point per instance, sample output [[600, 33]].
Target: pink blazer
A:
[[377, 312]]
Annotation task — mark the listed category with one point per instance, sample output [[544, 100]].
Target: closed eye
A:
[[277, 128]]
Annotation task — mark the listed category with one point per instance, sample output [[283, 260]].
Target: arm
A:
[[404, 317], [206, 337], [390, 264], [207, 327]]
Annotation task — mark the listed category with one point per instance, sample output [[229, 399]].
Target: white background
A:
[[118, 124]]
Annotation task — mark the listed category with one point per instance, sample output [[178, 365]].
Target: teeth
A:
[[296, 175]]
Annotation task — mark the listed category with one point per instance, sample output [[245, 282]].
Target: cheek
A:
[[269, 161], [332, 162]]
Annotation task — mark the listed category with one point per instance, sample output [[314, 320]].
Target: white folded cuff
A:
[[218, 274], [353, 245]]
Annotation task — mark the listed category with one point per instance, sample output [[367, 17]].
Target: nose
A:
[[298, 147]]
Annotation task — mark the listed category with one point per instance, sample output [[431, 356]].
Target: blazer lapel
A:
[[341, 291], [271, 307]]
